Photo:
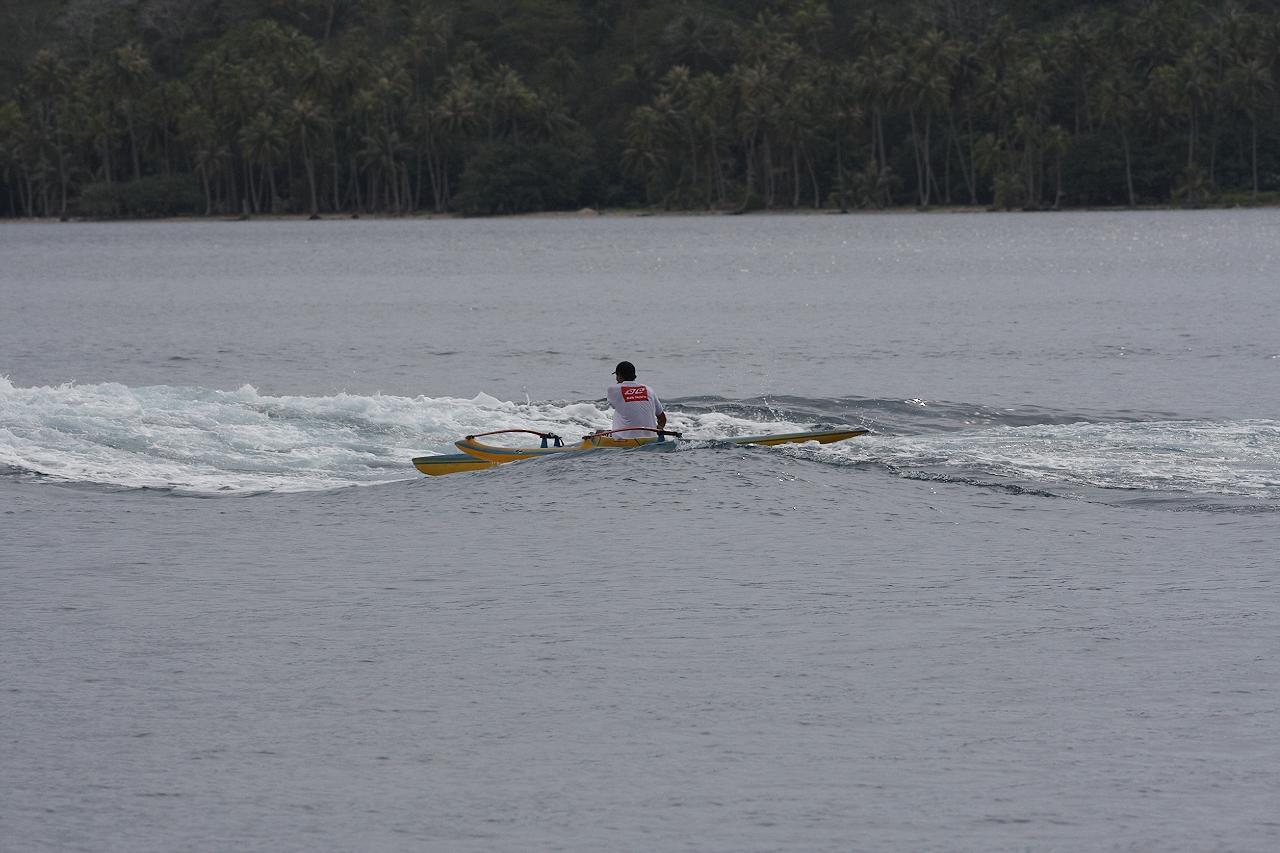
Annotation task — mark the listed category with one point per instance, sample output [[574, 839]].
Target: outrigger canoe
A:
[[477, 455]]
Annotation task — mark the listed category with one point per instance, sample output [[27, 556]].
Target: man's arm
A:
[[662, 420]]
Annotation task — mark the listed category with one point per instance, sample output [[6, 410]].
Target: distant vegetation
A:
[[232, 107]]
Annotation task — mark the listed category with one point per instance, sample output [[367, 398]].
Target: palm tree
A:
[[873, 79], [1251, 88], [13, 133], [672, 103], [429, 37], [697, 39], [1246, 52], [810, 23], [757, 102], [421, 125], [264, 143], [1027, 84], [1054, 143], [645, 156], [196, 130], [707, 119], [308, 120], [163, 104], [454, 119], [1195, 88], [509, 102], [966, 72], [846, 117], [380, 155], [561, 71], [380, 105], [52, 89], [339, 79], [925, 89], [762, 39], [1011, 84], [1073, 54], [127, 75], [1116, 100], [799, 127]]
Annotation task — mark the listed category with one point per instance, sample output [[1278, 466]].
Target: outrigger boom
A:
[[477, 455]]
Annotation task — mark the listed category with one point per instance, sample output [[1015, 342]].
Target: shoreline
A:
[[631, 213]]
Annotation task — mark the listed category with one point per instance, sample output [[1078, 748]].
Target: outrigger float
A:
[[477, 455]]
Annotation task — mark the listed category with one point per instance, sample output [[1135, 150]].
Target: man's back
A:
[[634, 405]]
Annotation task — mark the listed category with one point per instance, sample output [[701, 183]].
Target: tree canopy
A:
[[236, 107]]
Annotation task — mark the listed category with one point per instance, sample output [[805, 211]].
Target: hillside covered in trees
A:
[[230, 107]]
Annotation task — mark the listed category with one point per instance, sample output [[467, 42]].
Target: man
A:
[[634, 404]]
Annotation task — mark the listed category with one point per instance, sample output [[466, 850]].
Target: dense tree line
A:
[[150, 107]]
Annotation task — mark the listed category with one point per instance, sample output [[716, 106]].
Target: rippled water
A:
[[1035, 609]]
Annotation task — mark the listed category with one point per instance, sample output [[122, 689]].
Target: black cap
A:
[[625, 370]]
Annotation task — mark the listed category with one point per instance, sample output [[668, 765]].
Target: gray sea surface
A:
[[1036, 609]]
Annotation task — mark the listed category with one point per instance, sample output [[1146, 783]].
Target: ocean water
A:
[[1035, 609]]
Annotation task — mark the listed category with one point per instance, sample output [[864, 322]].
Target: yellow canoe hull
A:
[[497, 454], [820, 436], [451, 463], [477, 455]]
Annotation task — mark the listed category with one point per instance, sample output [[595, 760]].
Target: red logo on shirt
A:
[[635, 393]]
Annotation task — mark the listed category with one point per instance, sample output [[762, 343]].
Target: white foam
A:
[[204, 440], [211, 441], [1232, 458]]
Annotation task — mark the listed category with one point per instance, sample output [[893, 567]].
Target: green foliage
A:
[[1094, 172], [496, 106], [1245, 199], [502, 177], [145, 198]]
